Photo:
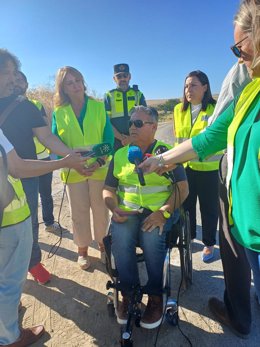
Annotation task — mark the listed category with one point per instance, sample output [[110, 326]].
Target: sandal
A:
[[83, 262]]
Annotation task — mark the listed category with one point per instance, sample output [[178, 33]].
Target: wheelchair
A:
[[178, 237]]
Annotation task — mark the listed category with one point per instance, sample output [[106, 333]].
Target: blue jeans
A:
[[46, 197], [254, 261], [15, 252], [125, 238], [31, 188]]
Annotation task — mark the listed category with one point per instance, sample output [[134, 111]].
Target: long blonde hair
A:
[[248, 19], [60, 98]]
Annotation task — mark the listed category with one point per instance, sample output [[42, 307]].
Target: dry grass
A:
[[156, 102], [45, 96]]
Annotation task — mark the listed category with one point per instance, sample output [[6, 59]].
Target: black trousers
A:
[[45, 190], [237, 272], [204, 186]]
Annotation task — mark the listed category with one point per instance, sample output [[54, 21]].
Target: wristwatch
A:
[[166, 214]]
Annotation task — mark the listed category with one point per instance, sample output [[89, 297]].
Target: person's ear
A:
[[155, 126]]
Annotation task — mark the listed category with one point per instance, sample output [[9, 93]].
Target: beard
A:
[[18, 91]]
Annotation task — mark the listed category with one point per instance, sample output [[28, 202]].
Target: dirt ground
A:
[[73, 309]]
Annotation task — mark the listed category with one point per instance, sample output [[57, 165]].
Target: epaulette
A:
[[112, 90]]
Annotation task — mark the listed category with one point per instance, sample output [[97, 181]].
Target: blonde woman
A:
[[81, 122]]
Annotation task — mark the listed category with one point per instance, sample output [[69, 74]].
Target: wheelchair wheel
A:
[[172, 317], [126, 340], [171, 314], [185, 250], [126, 343], [110, 305]]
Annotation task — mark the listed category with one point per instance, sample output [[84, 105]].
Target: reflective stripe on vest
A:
[[41, 150], [117, 102], [184, 130], [71, 134], [126, 205], [145, 189], [133, 196], [245, 100], [18, 210]]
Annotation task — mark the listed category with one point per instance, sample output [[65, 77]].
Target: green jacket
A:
[[245, 161]]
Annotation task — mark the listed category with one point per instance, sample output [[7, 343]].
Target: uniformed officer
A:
[[120, 101]]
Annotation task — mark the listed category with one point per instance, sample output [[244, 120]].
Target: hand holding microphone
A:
[[135, 156], [98, 150], [167, 174]]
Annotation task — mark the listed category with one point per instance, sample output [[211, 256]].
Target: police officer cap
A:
[[121, 68]]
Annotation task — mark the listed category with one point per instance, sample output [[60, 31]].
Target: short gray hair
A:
[[150, 111]]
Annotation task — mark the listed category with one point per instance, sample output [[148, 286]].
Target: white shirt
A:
[[233, 84], [5, 143], [195, 110]]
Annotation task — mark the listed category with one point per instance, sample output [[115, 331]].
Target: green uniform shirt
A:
[[245, 180]]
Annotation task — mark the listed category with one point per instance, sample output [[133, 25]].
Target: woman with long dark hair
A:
[[190, 118]]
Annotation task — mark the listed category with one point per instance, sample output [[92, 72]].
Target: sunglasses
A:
[[236, 50], [138, 123], [122, 75]]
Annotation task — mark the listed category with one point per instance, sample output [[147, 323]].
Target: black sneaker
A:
[[218, 308]]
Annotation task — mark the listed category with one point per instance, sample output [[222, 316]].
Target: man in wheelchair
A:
[[142, 215]]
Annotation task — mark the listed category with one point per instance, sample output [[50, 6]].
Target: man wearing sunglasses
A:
[[142, 215], [120, 101]]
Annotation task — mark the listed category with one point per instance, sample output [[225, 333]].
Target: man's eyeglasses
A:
[[138, 123], [122, 75], [236, 50]]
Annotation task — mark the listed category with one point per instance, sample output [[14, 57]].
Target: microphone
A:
[[135, 156], [169, 175], [98, 150]]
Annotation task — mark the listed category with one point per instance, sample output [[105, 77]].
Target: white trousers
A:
[[83, 197]]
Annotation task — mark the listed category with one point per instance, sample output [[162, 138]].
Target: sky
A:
[[161, 40]]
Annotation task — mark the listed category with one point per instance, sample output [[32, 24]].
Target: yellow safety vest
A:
[[245, 100], [18, 210], [41, 150], [117, 106], [71, 134], [184, 129], [131, 194]]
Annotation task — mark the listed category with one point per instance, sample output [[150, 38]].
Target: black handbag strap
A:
[[9, 109]]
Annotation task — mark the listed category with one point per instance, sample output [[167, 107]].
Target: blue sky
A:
[[162, 40]]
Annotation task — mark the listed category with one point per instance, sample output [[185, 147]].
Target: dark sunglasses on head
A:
[[236, 50], [138, 123], [122, 75]]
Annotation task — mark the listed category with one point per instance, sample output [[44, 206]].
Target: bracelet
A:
[[161, 161], [101, 161]]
